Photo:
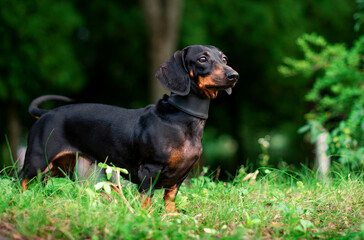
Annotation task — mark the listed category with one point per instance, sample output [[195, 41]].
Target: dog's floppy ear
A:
[[173, 74]]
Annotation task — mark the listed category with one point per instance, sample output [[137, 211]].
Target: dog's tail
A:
[[36, 112]]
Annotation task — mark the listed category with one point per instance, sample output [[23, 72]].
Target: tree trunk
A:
[[322, 160], [14, 130], [163, 18]]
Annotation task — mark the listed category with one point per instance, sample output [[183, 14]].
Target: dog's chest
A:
[[184, 155]]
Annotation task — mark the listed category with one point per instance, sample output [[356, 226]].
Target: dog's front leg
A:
[[148, 175], [170, 198], [146, 200]]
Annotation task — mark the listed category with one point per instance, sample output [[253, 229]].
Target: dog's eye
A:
[[202, 59], [224, 60]]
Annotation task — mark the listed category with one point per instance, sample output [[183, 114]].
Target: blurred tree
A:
[[36, 55], [359, 15], [163, 20]]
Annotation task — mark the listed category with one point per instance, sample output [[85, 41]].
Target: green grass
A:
[[279, 205]]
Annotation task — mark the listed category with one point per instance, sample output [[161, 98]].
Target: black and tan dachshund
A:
[[158, 144]]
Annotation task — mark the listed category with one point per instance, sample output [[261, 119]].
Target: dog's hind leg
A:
[[30, 170], [59, 166]]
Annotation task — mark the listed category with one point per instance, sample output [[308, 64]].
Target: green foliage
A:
[[109, 172], [36, 49], [255, 35], [359, 15], [110, 169], [338, 94], [279, 205], [217, 148]]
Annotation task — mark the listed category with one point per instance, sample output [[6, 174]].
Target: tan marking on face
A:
[[207, 53], [191, 74], [169, 199], [203, 82]]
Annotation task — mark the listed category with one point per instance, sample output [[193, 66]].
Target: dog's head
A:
[[198, 68]]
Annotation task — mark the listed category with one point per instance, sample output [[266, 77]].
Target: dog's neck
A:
[[191, 104]]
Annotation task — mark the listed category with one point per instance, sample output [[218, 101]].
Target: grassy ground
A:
[[278, 205]]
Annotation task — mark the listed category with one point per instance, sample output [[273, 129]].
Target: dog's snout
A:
[[232, 76]]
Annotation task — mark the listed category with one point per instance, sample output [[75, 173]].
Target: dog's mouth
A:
[[226, 87], [219, 87]]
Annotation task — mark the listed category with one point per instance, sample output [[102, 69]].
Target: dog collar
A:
[[191, 104]]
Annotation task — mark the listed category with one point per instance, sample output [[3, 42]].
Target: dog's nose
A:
[[232, 76]]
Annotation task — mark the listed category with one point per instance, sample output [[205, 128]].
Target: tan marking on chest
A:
[[185, 155]]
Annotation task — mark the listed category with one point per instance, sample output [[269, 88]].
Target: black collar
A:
[[191, 104]]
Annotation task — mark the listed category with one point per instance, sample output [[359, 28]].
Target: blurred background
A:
[[108, 52]]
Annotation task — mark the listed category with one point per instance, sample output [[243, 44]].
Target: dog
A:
[[158, 144]]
